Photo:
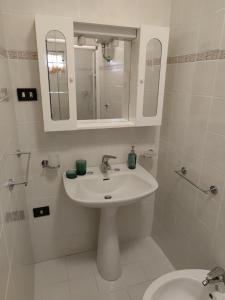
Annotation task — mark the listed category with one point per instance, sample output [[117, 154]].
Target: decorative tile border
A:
[[3, 52], [222, 54], [153, 62], [195, 57], [28, 55], [187, 58]]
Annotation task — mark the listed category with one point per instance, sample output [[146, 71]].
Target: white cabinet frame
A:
[[65, 25]]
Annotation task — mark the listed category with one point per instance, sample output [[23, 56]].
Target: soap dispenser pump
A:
[[132, 159]]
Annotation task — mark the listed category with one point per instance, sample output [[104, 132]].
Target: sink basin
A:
[[121, 186], [177, 285]]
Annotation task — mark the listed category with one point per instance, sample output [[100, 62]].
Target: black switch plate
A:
[[27, 94], [41, 211]]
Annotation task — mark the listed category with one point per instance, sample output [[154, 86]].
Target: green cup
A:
[[81, 166]]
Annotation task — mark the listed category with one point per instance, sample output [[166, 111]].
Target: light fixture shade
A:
[[81, 40], [115, 43]]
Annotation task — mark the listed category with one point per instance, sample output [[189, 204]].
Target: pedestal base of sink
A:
[[108, 254]]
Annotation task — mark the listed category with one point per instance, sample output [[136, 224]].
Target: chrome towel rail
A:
[[11, 183], [212, 189]]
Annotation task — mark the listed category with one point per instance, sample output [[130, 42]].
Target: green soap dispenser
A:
[[132, 159]]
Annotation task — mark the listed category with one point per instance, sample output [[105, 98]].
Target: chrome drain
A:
[[107, 197]]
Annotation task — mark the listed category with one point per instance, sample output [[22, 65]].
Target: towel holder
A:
[[182, 173], [11, 182]]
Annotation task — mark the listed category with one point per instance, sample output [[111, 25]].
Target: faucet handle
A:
[[216, 272], [106, 157]]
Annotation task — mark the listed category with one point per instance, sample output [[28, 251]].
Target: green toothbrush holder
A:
[[71, 174], [81, 166]]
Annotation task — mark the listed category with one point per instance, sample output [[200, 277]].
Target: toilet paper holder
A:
[[150, 153], [51, 163], [45, 164]]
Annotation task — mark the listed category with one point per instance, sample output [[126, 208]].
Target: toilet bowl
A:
[[177, 285]]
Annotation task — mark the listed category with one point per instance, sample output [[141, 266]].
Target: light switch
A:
[[26, 94]]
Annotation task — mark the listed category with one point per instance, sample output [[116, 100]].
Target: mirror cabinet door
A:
[[152, 77], [57, 75], [152, 62]]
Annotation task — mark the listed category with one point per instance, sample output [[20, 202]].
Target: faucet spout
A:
[[205, 282], [105, 166]]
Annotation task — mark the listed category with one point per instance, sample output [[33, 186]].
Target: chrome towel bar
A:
[[212, 189]]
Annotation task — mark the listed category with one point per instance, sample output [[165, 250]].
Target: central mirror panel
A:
[[102, 68]]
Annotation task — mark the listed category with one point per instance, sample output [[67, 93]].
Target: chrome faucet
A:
[[216, 276], [105, 166]]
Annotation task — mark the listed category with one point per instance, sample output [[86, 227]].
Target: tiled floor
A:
[[76, 277]]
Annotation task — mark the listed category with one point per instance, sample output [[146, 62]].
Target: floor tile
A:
[[152, 259], [136, 292], [76, 277], [59, 291], [117, 295], [156, 267], [81, 263], [84, 295], [147, 249], [133, 274], [129, 252], [49, 272], [105, 286], [83, 287]]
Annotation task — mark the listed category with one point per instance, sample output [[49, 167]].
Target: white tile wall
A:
[[16, 273], [70, 228], [155, 12], [189, 225]]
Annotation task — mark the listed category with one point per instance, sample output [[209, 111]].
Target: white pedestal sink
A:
[[122, 186]]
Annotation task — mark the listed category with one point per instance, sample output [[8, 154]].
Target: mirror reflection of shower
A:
[[102, 68]]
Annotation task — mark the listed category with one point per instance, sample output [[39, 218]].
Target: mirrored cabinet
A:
[[100, 76]]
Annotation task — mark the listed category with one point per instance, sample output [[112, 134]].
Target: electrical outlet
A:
[[41, 211]]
